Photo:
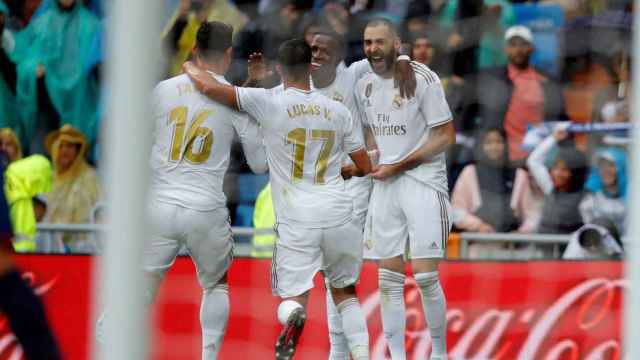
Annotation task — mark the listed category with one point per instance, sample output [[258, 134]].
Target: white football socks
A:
[[355, 329], [339, 346], [214, 315], [435, 311], [392, 307]]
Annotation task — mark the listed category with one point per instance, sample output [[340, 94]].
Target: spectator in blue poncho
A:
[[607, 189], [7, 72], [54, 85]]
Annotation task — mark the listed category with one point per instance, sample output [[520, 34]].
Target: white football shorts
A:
[[403, 208], [301, 252], [206, 235]]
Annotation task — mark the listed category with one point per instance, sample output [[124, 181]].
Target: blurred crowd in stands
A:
[[539, 91]]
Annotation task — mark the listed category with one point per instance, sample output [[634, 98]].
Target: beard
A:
[[388, 60]]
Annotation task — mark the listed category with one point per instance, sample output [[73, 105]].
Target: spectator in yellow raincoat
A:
[[75, 189]]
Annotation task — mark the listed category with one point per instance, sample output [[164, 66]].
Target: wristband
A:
[[404, 57]]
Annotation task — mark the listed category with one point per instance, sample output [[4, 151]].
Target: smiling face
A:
[[381, 45], [324, 55]]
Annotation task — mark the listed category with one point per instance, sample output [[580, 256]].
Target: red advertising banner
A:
[[496, 310]]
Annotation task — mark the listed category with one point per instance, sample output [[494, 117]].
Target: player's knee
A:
[[217, 288], [428, 282], [391, 285], [341, 294], [395, 264], [424, 265]]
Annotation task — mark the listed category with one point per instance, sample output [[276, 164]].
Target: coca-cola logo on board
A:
[[587, 306]]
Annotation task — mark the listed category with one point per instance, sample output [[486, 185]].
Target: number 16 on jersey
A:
[[193, 154]]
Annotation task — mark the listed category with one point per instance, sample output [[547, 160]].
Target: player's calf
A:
[[354, 324], [339, 347], [214, 316], [392, 309], [435, 308]]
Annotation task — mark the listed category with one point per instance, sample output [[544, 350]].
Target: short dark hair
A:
[[214, 38], [384, 22], [295, 57], [341, 47]]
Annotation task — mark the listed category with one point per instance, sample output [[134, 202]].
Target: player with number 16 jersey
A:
[[306, 135]]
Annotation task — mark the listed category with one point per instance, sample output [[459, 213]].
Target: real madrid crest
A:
[[397, 102], [368, 89]]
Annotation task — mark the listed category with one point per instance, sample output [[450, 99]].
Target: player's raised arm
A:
[[213, 89]]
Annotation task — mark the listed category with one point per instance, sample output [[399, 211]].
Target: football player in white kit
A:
[[190, 155], [409, 206], [333, 79], [306, 135]]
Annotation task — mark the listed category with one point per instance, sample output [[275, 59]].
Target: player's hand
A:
[[256, 68], [200, 78], [405, 78], [560, 132], [384, 172], [347, 171]]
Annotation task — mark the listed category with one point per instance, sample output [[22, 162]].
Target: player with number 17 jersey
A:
[[319, 131]]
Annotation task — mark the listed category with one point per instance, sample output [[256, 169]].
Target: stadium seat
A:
[[545, 21], [249, 186]]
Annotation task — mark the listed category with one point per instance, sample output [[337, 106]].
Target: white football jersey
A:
[[341, 89], [401, 126], [306, 135], [192, 143]]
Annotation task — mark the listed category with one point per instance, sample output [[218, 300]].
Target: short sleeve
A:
[[360, 68], [357, 111], [353, 139], [241, 123], [254, 102], [156, 101], [434, 105]]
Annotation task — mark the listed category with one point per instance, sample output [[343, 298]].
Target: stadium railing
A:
[[515, 245]]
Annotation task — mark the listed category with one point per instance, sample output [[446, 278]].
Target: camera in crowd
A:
[[599, 239]]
